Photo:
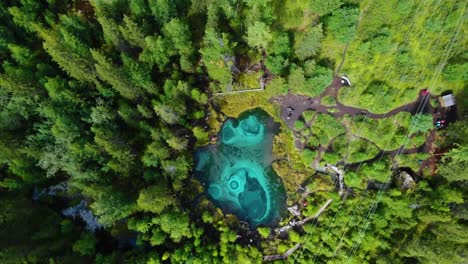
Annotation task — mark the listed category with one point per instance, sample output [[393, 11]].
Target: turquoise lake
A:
[[237, 172]]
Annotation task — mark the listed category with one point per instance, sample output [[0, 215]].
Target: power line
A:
[[359, 203], [379, 125], [380, 193], [367, 117], [401, 148]]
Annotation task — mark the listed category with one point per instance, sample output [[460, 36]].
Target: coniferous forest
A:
[[105, 103]]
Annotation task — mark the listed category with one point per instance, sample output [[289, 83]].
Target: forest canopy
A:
[[103, 104]]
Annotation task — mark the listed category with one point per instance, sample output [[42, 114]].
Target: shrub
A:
[[308, 114], [299, 124]]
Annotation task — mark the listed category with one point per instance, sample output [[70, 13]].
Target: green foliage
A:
[[248, 80], [378, 171], [111, 31], [416, 59], [258, 35], [323, 7], [198, 96], [111, 206], [70, 53], [318, 80], [308, 155], [162, 10], [157, 51], [177, 143], [110, 73], [455, 72], [296, 80], [281, 45], [176, 225], [310, 67], [325, 128], [342, 24], [86, 245], [308, 114], [111, 97], [328, 100], [454, 164], [353, 180], [40, 239], [138, 74], [308, 43], [421, 123], [355, 149], [330, 158], [200, 134], [388, 133], [264, 231], [155, 199], [299, 125], [217, 56], [66, 227], [457, 132], [122, 156], [157, 238], [177, 170], [169, 114], [178, 32], [277, 86], [276, 64], [138, 8]]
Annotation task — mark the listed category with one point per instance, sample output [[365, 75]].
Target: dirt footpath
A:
[[293, 105]]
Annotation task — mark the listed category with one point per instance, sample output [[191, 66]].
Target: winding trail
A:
[[301, 103]]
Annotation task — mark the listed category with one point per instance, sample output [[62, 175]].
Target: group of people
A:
[[290, 111], [440, 123]]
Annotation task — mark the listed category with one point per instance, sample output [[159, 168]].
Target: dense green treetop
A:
[[113, 97]]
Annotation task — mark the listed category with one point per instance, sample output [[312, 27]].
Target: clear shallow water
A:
[[237, 173]]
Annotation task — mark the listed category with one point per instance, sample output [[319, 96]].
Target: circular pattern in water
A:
[[234, 184], [237, 170], [249, 132], [215, 191]]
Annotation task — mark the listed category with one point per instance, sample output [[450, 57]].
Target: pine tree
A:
[[78, 65], [138, 8], [176, 225], [178, 33], [308, 44], [168, 113], [111, 205], [162, 10], [139, 74], [154, 154], [157, 51], [155, 198], [111, 32], [454, 164], [176, 169], [217, 55], [86, 245], [178, 143], [132, 33], [258, 35], [115, 76]]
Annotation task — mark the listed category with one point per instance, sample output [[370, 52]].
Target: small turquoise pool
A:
[[237, 173]]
